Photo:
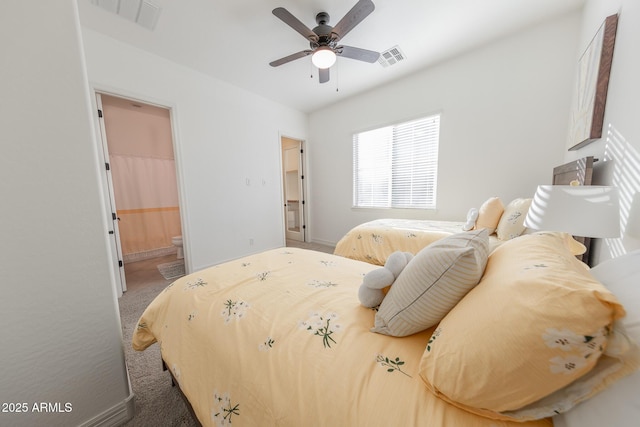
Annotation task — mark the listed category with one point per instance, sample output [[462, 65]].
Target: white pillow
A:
[[511, 224], [619, 405]]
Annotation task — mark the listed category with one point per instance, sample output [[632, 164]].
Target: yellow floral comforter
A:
[[280, 339], [374, 241]]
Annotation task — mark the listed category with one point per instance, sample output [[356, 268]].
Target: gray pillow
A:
[[432, 283]]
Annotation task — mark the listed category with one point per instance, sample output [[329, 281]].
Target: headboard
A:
[[580, 170]]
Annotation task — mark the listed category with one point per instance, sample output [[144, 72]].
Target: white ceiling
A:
[[234, 40]]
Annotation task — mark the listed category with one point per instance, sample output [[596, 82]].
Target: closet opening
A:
[[294, 188]]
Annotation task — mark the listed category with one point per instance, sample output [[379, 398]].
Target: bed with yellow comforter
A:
[[375, 240], [280, 338]]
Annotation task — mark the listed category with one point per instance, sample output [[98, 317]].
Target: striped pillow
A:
[[432, 283]]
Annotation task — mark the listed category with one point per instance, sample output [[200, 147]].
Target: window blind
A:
[[396, 166]]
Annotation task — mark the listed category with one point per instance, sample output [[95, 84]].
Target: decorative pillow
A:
[[489, 214], [432, 283], [618, 405], [537, 322], [511, 223]]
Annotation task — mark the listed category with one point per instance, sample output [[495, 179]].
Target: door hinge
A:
[[107, 167], [304, 227], [113, 216], [111, 232], [120, 263], [303, 202], [301, 151], [301, 176], [99, 113]]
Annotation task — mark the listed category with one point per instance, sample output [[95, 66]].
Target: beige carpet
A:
[[157, 403]]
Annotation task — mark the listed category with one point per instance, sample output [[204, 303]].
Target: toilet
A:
[[177, 242]]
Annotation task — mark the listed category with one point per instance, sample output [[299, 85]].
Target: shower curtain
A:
[[147, 204]]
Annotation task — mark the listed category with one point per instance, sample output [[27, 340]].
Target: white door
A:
[[114, 232], [293, 176]]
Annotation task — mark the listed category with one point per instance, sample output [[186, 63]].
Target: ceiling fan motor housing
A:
[[324, 32]]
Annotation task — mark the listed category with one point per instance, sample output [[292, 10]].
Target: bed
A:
[[374, 241], [280, 338]]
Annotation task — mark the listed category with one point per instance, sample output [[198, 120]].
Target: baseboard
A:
[[153, 253], [114, 416], [323, 242]]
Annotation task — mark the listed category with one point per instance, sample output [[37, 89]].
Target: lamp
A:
[[586, 211], [323, 57]]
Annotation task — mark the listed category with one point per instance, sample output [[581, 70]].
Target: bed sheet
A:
[[279, 338]]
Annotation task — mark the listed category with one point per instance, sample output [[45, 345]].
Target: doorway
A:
[[293, 185], [142, 185]]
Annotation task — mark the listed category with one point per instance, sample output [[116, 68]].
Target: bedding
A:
[[279, 338], [511, 224], [538, 335], [619, 405], [489, 214], [375, 240]]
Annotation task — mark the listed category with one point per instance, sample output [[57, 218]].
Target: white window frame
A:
[[396, 166]]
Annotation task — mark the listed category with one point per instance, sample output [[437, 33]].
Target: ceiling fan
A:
[[323, 39]]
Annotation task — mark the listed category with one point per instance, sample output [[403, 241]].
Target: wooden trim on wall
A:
[[604, 72], [601, 83]]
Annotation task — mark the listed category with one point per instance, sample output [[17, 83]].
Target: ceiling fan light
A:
[[323, 57]]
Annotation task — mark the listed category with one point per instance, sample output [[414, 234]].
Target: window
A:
[[396, 166]]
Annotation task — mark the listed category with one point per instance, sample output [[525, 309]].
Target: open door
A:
[[293, 184], [114, 231]]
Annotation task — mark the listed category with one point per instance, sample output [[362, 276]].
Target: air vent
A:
[[391, 56], [142, 12]]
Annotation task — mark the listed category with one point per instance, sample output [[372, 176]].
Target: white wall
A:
[[619, 148], [503, 127], [227, 147], [61, 336]]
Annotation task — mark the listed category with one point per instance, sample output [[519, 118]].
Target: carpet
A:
[[157, 403], [172, 270]]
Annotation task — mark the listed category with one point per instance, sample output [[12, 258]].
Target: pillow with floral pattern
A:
[[537, 323]]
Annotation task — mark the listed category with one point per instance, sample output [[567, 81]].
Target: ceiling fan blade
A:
[[357, 53], [290, 58], [295, 23], [361, 10], [323, 75]]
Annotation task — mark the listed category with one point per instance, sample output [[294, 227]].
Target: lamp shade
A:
[[587, 211], [323, 57]]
